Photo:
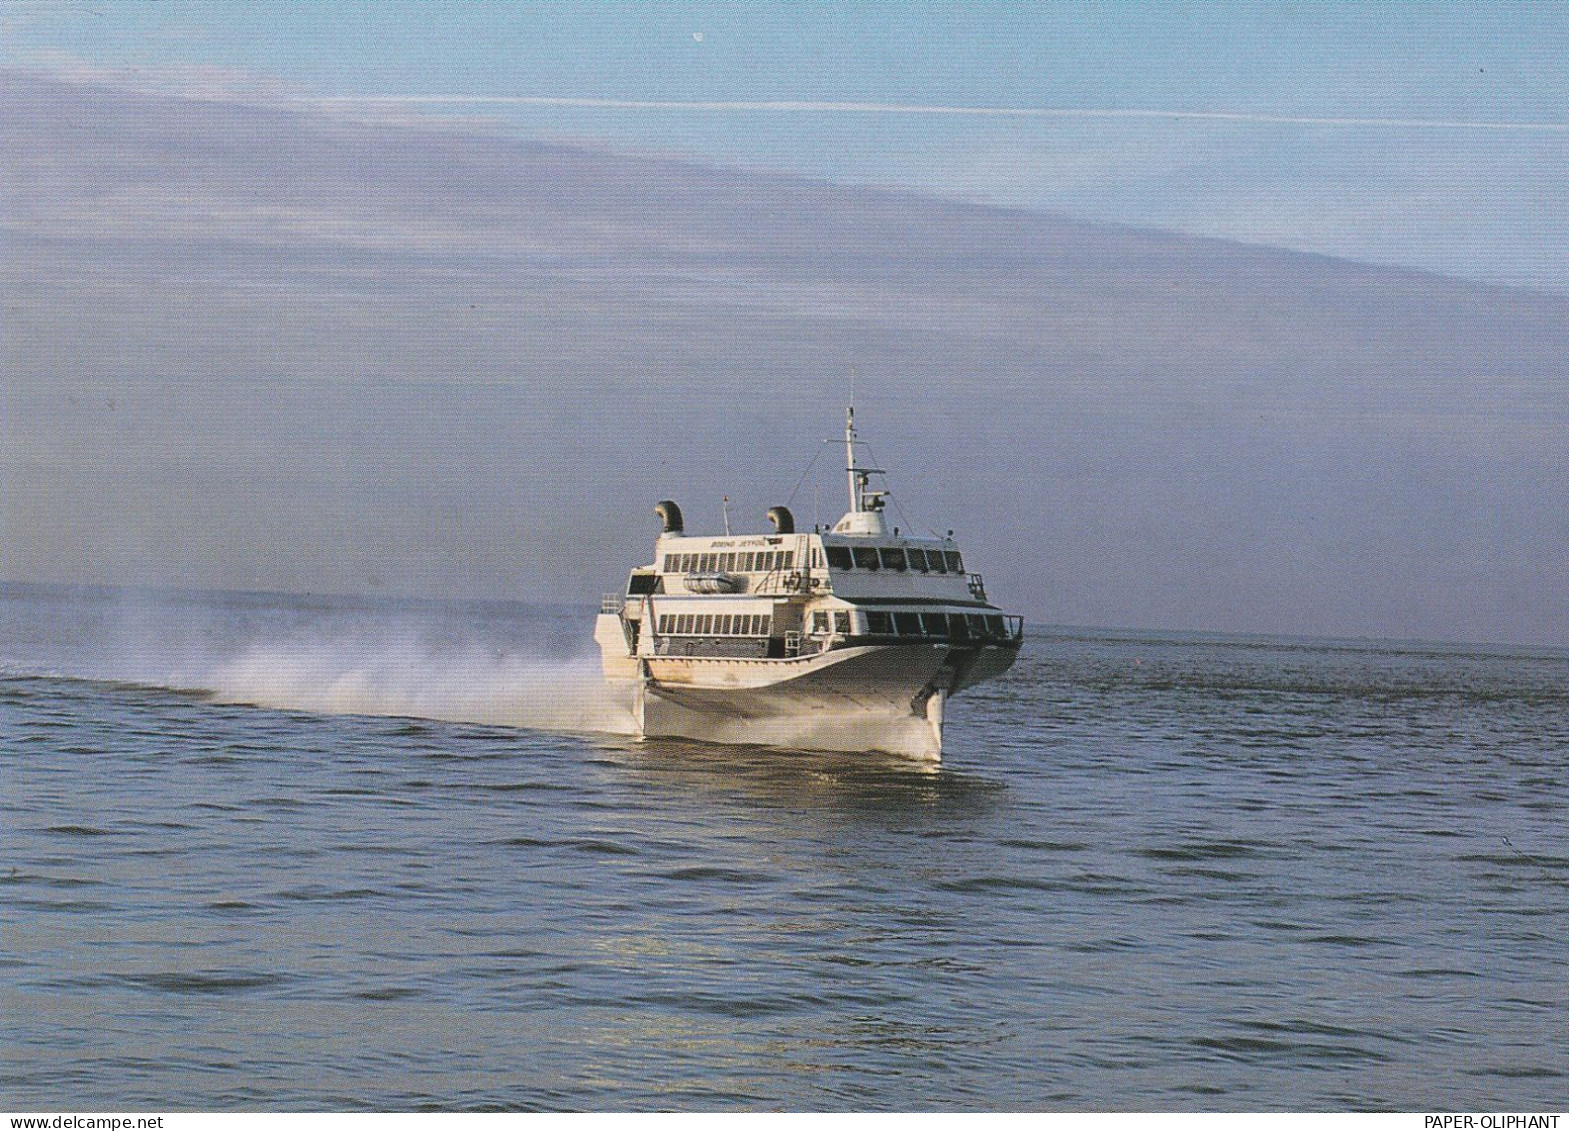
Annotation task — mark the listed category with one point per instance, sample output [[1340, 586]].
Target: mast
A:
[[849, 458]]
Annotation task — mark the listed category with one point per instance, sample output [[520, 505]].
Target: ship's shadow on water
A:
[[869, 781]]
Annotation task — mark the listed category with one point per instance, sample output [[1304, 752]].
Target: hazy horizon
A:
[[253, 344]]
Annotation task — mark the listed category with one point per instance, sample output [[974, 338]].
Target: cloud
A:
[[1066, 113], [261, 347]]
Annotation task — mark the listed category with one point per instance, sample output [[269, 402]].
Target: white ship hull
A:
[[849, 639], [887, 698]]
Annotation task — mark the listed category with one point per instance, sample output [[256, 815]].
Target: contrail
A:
[[960, 111]]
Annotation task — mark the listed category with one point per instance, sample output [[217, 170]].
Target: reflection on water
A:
[[872, 781]]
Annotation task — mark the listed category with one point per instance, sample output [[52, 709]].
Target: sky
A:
[[386, 299], [1425, 134]]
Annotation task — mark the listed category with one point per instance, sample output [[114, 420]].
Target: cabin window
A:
[[839, 558], [935, 558], [642, 583], [866, 557], [684, 624], [893, 559], [958, 628], [917, 560], [977, 625], [908, 624], [936, 624], [879, 624], [820, 623], [955, 562], [764, 628], [995, 627], [789, 560], [729, 562], [842, 624]]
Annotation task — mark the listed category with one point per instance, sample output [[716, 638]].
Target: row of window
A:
[[956, 626], [749, 561], [885, 557], [714, 624]]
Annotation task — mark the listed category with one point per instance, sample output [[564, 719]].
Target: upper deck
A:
[[857, 568]]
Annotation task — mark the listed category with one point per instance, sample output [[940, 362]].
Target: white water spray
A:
[[406, 678]]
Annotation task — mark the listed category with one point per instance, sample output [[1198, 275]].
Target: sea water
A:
[[295, 853]]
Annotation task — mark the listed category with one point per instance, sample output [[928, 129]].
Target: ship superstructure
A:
[[850, 638]]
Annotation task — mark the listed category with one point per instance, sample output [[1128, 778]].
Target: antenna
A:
[[726, 509], [849, 448]]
